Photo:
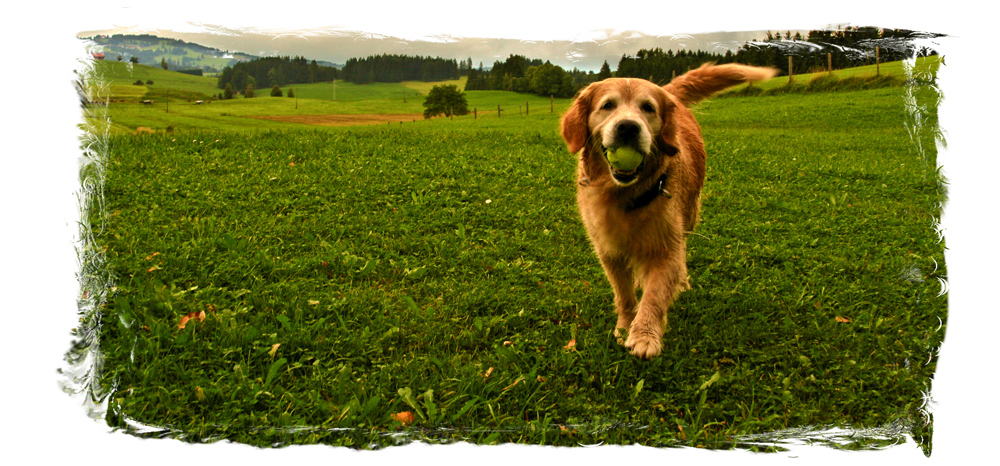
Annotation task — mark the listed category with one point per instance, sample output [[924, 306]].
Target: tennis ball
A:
[[623, 158]]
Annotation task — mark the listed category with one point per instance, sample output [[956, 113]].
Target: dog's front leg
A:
[[661, 281], [619, 273]]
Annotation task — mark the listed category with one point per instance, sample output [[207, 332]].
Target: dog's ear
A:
[[667, 139], [574, 123]]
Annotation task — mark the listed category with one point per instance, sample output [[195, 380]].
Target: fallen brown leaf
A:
[[571, 345], [274, 349], [843, 319], [404, 417]]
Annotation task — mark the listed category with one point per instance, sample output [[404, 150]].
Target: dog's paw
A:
[[644, 345]]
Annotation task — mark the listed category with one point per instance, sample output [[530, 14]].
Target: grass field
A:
[[440, 268]]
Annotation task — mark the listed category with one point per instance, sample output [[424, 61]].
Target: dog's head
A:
[[621, 112], [635, 113]]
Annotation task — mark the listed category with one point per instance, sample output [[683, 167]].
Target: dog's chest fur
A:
[[639, 232]]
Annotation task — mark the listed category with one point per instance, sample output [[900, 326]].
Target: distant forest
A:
[[268, 72], [399, 68], [521, 74]]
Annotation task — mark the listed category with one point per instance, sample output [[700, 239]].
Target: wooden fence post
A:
[[789, 69], [876, 62], [475, 114], [498, 110], [552, 104], [829, 62], [527, 111]]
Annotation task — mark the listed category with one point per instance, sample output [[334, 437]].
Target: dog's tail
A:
[[695, 85]]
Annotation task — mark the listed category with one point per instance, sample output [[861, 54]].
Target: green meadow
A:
[[328, 279]]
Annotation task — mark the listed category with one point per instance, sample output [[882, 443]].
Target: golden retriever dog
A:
[[637, 220]]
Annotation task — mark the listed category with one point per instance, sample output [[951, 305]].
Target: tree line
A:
[[520, 74], [398, 68], [274, 71]]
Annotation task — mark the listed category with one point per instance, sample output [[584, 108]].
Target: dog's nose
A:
[[626, 131]]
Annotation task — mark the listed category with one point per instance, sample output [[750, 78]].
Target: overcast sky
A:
[[40, 211]]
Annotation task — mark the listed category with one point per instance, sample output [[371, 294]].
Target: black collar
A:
[[646, 198]]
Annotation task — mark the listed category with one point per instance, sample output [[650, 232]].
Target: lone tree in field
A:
[[276, 91], [249, 93], [134, 60], [163, 64], [447, 100], [228, 92], [291, 93]]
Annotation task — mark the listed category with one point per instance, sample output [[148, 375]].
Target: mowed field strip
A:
[[344, 120]]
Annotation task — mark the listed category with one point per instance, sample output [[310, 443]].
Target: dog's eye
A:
[[648, 108], [609, 105]]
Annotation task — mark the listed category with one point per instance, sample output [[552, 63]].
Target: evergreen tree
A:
[[291, 93], [248, 93], [276, 91], [163, 64], [605, 72], [228, 93]]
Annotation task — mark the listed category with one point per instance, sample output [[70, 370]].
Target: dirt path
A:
[[344, 120]]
